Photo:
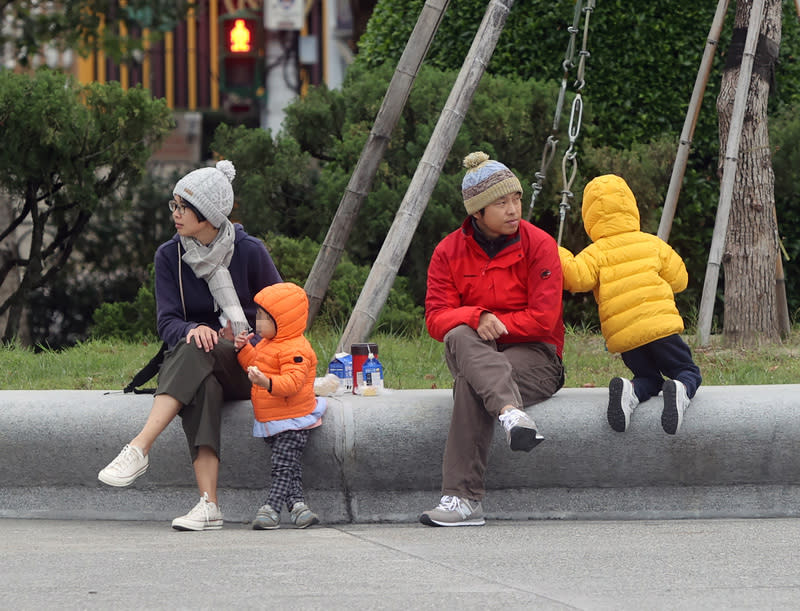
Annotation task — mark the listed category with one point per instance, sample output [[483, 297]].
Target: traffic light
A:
[[241, 54]]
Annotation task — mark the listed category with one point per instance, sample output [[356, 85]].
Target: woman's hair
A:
[[197, 213]]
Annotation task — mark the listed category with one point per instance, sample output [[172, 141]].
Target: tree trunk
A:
[[13, 323], [751, 245]]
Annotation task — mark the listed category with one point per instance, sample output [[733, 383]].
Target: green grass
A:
[[408, 363]]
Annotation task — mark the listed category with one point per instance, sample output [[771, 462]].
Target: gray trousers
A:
[[486, 377], [202, 381]]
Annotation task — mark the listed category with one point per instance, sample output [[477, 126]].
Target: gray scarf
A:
[[211, 264]]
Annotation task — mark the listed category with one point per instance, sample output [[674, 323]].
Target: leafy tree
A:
[[506, 114], [30, 25], [67, 150], [274, 179], [639, 79], [294, 258], [137, 222]]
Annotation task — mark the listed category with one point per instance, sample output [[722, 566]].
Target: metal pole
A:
[[381, 277], [361, 180], [682, 157], [729, 174]]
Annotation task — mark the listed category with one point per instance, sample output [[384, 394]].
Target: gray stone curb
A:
[[378, 459]]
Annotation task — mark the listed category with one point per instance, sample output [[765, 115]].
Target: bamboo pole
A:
[[784, 324], [361, 180], [682, 157], [728, 175], [381, 277]]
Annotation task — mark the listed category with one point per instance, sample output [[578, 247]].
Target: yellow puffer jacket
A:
[[632, 274]]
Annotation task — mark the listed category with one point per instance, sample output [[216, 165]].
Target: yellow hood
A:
[[609, 207]]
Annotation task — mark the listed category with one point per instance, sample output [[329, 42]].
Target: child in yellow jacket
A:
[[634, 276], [282, 367]]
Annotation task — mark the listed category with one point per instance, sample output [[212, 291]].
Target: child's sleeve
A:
[[294, 371], [246, 355], [673, 270], [580, 271]]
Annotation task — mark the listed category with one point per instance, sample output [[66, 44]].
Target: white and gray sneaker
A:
[[203, 516], [266, 518], [454, 511], [301, 516], [125, 468], [622, 400], [521, 432], [676, 400]]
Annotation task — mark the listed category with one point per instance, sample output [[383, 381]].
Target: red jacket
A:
[[521, 285], [288, 359]]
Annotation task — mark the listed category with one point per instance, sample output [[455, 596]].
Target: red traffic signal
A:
[[241, 54], [240, 37]]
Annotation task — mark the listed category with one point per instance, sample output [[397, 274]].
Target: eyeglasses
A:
[[173, 206]]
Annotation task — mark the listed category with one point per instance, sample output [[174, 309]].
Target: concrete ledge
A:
[[379, 458]]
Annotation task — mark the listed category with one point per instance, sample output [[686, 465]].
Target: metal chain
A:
[[571, 155], [576, 115], [552, 141]]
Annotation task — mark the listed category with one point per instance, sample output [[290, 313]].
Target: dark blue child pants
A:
[[669, 356]]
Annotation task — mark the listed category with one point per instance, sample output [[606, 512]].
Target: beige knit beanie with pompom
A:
[[485, 181]]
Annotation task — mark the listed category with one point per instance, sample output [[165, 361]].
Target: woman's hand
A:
[[204, 337], [227, 332]]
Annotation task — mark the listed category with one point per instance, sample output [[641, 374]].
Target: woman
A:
[[206, 278]]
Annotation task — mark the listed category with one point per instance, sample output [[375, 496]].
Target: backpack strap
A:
[[154, 365]]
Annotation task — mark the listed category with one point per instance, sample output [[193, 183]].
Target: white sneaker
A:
[[676, 400], [454, 511], [125, 468], [621, 403], [203, 516], [521, 432]]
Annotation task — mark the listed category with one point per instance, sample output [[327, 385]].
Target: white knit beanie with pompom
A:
[[485, 181], [209, 190]]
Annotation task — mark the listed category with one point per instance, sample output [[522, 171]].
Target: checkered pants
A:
[[287, 468]]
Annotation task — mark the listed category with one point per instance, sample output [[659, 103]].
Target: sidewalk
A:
[[677, 564]]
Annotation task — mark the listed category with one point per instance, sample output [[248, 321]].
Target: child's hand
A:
[[256, 376], [240, 340]]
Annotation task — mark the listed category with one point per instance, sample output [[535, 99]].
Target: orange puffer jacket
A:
[[288, 359]]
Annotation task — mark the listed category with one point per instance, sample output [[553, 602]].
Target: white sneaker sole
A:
[[428, 521], [185, 525], [119, 482]]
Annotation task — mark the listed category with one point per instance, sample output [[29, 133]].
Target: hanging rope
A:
[[576, 115]]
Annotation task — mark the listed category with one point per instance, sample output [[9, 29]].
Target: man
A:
[[494, 299]]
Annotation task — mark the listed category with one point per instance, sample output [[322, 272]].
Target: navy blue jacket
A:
[[251, 270]]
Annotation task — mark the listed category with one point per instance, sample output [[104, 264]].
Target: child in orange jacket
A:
[[282, 367]]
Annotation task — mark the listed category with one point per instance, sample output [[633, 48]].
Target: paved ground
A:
[[675, 564]]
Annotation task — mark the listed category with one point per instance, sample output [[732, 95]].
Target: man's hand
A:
[[490, 327], [205, 337]]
